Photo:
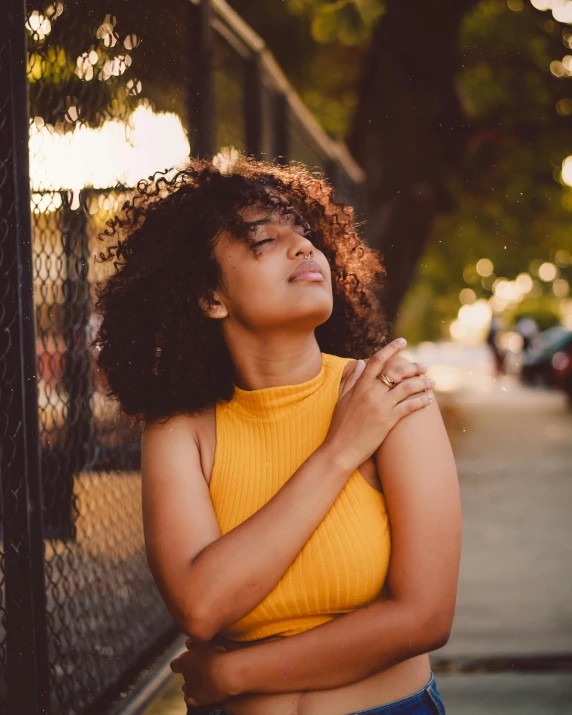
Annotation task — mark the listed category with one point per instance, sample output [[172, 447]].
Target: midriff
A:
[[388, 685]]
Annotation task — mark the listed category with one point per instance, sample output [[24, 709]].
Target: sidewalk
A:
[[514, 460], [513, 449], [506, 694]]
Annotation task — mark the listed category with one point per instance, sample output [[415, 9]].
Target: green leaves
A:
[[348, 22]]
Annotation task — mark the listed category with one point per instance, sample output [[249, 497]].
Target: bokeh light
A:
[[485, 267], [560, 288], [472, 322], [547, 271], [567, 171], [467, 296], [524, 282]]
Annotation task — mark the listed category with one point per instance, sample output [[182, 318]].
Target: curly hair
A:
[[157, 351]]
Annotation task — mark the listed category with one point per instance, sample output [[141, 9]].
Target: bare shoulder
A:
[[175, 423], [167, 441], [184, 434], [181, 425]]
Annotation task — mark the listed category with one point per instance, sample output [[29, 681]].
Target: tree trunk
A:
[[408, 132]]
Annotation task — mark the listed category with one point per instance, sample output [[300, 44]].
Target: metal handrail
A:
[[334, 150]]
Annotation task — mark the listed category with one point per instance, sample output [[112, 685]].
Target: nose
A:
[[301, 245]]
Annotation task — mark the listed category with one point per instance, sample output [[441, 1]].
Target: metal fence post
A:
[[27, 663], [76, 378], [280, 128], [253, 106], [201, 90]]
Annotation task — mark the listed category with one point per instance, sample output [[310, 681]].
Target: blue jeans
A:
[[426, 701]]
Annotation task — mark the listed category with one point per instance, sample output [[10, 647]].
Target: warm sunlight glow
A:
[[562, 10], [38, 26], [118, 152], [471, 323], [567, 170]]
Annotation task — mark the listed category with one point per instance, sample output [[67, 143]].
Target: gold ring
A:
[[387, 380]]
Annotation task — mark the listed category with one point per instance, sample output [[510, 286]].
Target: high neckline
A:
[[272, 402]]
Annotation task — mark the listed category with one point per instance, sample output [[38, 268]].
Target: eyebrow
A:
[[259, 222], [268, 219]]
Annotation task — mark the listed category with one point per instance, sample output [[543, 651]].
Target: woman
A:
[[280, 440]]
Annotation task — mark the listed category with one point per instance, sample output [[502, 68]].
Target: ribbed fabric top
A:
[[262, 438]]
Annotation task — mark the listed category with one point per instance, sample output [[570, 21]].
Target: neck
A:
[[274, 360]]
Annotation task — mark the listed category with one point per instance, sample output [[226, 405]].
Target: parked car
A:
[[562, 367], [537, 361]]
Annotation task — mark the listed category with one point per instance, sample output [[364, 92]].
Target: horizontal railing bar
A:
[[334, 150], [236, 42]]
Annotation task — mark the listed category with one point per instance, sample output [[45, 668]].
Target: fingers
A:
[[410, 386], [176, 664], [377, 361], [404, 370], [353, 378], [406, 407], [191, 702]]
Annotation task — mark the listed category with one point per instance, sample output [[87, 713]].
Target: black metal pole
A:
[[280, 128], [201, 89], [27, 662], [74, 446], [253, 106]]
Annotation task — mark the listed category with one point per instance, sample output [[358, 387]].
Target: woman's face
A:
[[263, 288]]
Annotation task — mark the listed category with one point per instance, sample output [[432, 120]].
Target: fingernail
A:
[[401, 341], [423, 366]]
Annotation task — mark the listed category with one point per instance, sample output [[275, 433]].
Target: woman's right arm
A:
[[209, 581]]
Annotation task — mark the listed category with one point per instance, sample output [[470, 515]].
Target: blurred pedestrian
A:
[[527, 328], [495, 330]]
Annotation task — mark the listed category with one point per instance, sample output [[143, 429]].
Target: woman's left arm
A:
[[421, 488]]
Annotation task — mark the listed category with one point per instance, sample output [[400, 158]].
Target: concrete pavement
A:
[[513, 449]]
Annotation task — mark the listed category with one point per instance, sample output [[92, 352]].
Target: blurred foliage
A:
[[510, 203], [542, 310], [321, 45], [87, 54]]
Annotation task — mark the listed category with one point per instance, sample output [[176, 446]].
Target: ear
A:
[[213, 306]]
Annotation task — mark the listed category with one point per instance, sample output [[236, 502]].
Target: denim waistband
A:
[[430, 688]]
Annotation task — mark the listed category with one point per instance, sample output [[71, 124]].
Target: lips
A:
[[309, 270]]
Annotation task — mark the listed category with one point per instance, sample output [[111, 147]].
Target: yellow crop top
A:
[[262, 437]]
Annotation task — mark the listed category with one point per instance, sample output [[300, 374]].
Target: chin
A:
[[300, 314], [314, 316]]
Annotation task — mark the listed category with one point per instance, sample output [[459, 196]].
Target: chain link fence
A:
[[115, 91]]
